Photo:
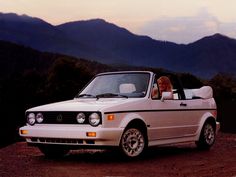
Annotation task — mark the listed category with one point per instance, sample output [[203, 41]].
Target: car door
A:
[[169, 119], [172, 118]]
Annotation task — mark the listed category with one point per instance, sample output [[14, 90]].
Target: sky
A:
[[179, 21]]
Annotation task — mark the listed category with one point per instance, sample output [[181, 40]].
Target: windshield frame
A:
[[147, 89]]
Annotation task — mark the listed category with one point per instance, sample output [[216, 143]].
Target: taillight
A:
[[215, 113]]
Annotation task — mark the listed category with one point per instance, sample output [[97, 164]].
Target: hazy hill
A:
[[111, 44], [211, 54], [29, 31], [107, 43]]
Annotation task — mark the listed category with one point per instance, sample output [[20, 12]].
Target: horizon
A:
[[118, 26], [181, 21]]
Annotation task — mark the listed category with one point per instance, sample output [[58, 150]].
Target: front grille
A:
[[62, 141], [60, 118]]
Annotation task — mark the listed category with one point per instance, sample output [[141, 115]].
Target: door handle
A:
[[183, 104]]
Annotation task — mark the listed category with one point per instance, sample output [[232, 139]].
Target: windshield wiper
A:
[[86, 96], [110, 95]]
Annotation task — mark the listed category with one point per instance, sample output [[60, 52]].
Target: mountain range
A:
[[108, 43]]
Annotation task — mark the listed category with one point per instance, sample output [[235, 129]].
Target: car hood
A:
[[103, 104]]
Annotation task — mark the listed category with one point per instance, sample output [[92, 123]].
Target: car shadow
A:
[[114, 155]]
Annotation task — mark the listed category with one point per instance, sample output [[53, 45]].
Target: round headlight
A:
[[94, 119], [31, 118], [39, 117], [80, 118]]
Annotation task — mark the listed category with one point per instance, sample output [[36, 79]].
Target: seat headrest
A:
[[127, 88]]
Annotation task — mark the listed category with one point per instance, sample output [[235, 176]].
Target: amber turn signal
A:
[[91, 134], [24, 132], [110, 117]]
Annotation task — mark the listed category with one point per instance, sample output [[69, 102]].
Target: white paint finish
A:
[[168, 121]]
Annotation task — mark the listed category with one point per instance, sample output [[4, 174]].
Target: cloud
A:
[[187, 29]]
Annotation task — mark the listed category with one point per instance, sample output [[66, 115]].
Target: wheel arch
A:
[[135, 121], [208, 117], [127, 119]]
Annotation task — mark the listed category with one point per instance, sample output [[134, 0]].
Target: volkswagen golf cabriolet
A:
[[117, 109]]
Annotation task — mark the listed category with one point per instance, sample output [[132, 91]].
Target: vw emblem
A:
[[59, 118]]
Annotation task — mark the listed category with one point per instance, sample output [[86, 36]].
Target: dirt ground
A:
[[183, 160]]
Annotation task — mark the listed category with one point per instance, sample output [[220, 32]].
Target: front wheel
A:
[[207, 136], [133, 142]]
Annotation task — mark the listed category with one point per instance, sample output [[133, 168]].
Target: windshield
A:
[[117, 85]]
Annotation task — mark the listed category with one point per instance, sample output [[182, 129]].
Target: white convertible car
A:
[[116, 109]]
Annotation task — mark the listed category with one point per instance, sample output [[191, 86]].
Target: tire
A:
[[133, 142], [53, 151], [207, 136]]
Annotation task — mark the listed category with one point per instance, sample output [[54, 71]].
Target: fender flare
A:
[[207, 116], [129, 118]]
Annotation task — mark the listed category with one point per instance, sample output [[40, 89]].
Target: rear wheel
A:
[[207, 137], [133, 142], [53, 151]]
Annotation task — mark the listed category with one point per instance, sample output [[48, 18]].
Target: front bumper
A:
[[71, 135]]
